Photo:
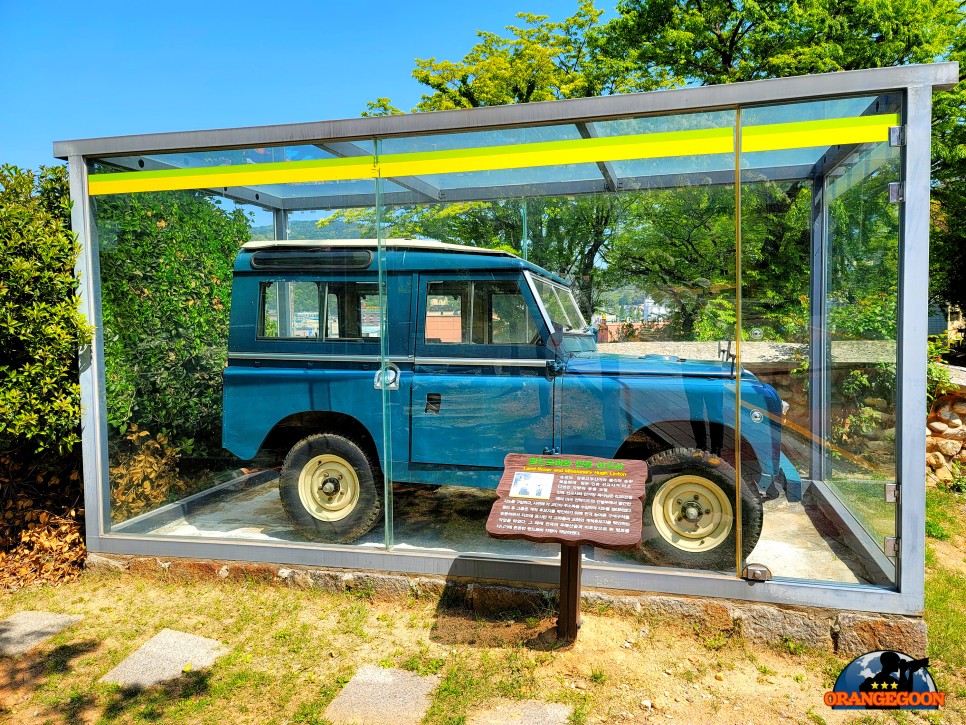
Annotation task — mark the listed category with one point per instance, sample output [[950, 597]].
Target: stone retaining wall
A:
[[847, 634], [946, 439]]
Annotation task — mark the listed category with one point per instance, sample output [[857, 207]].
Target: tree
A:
[[721, 41]]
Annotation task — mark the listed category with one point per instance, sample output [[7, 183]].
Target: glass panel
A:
[[504, 359], [809, 339], [268, 349], [862, 309]]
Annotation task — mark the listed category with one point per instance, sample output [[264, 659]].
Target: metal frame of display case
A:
[[916, 83]]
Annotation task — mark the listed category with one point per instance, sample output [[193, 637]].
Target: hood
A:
[[663, 365]]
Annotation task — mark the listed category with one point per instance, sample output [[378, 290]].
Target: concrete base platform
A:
[[25, 630], [377, 695], [164, 657], [797, 541]]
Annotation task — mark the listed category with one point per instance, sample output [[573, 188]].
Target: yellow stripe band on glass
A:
[[488, 158], [700, 142], [826, 132]]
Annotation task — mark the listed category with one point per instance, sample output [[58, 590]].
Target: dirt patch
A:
[[949, 555]]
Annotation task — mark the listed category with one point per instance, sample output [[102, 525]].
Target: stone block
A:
[[25, 630], [763, 624], [378, 695], [861, 633], [381, 586], [165, 657], [947, 447]]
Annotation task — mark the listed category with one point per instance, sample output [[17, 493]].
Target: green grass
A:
[[946, 617], [945, 513]]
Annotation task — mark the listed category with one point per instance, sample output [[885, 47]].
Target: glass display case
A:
[[316, 344]]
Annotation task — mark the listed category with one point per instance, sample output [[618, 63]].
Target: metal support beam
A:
[[97, 487], [611, 180], [913, 315], [281, 224], [346, 149], [819, 352]]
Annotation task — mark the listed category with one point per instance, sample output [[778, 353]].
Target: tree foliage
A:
[[166, 263], [41, 331], [653, 44], [41, 328]]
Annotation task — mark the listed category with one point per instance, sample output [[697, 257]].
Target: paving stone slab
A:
[[25, 630], [164, 657], [520, 712], [378, 695]]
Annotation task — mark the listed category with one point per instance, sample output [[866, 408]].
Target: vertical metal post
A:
[[568, 610], [738, 327], [384, 355], [913, 331], [286, 309], [819, 372], [281, 223], [525, 241], [97, 484]]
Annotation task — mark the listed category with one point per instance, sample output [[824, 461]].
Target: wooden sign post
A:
[[572, 501]]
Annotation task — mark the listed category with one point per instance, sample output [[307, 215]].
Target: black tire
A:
[[709, 540], [350, 505]]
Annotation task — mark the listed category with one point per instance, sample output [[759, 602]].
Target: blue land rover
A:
[[480, 354]]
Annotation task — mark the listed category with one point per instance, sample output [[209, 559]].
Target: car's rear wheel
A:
[[689, 511], [328, 489]]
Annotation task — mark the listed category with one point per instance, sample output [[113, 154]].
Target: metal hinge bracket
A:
[[891, 546], [756, 573], [896, 192], [897, 135], [892, 493]]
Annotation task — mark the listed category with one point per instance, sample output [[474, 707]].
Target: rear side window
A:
[[326, 311]]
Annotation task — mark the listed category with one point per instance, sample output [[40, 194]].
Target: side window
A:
[[477, 312], [352, 312], [327, 311], [289, 310]]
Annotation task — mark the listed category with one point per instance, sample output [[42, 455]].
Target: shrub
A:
[[166, 262], [41, 328], [40, 333]]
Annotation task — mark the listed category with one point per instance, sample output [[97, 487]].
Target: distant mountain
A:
[[306, 229]]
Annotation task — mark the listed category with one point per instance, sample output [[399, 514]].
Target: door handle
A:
[[433, 402], [386, 378]]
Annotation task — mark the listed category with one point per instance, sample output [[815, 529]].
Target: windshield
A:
[[560, 305]]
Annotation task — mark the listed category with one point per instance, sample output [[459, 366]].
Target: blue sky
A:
[[105, 68]]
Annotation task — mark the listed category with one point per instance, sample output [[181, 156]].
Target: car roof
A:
[[394, 243], [414, 255]]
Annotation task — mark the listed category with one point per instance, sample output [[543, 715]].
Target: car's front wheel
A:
[[328, 489], [689, 511]]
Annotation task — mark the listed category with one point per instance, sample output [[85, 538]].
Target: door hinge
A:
[[756, 573], [892, 493], [896, 192], [897, 135], [891, 546]]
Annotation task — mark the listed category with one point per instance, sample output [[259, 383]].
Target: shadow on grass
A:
[[154, 704], [455, 625], [23, 675]]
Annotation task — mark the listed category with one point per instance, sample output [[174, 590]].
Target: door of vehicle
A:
[[481, 387]]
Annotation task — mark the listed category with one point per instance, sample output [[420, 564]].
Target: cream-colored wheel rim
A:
[[692, 513], [328, 488]]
